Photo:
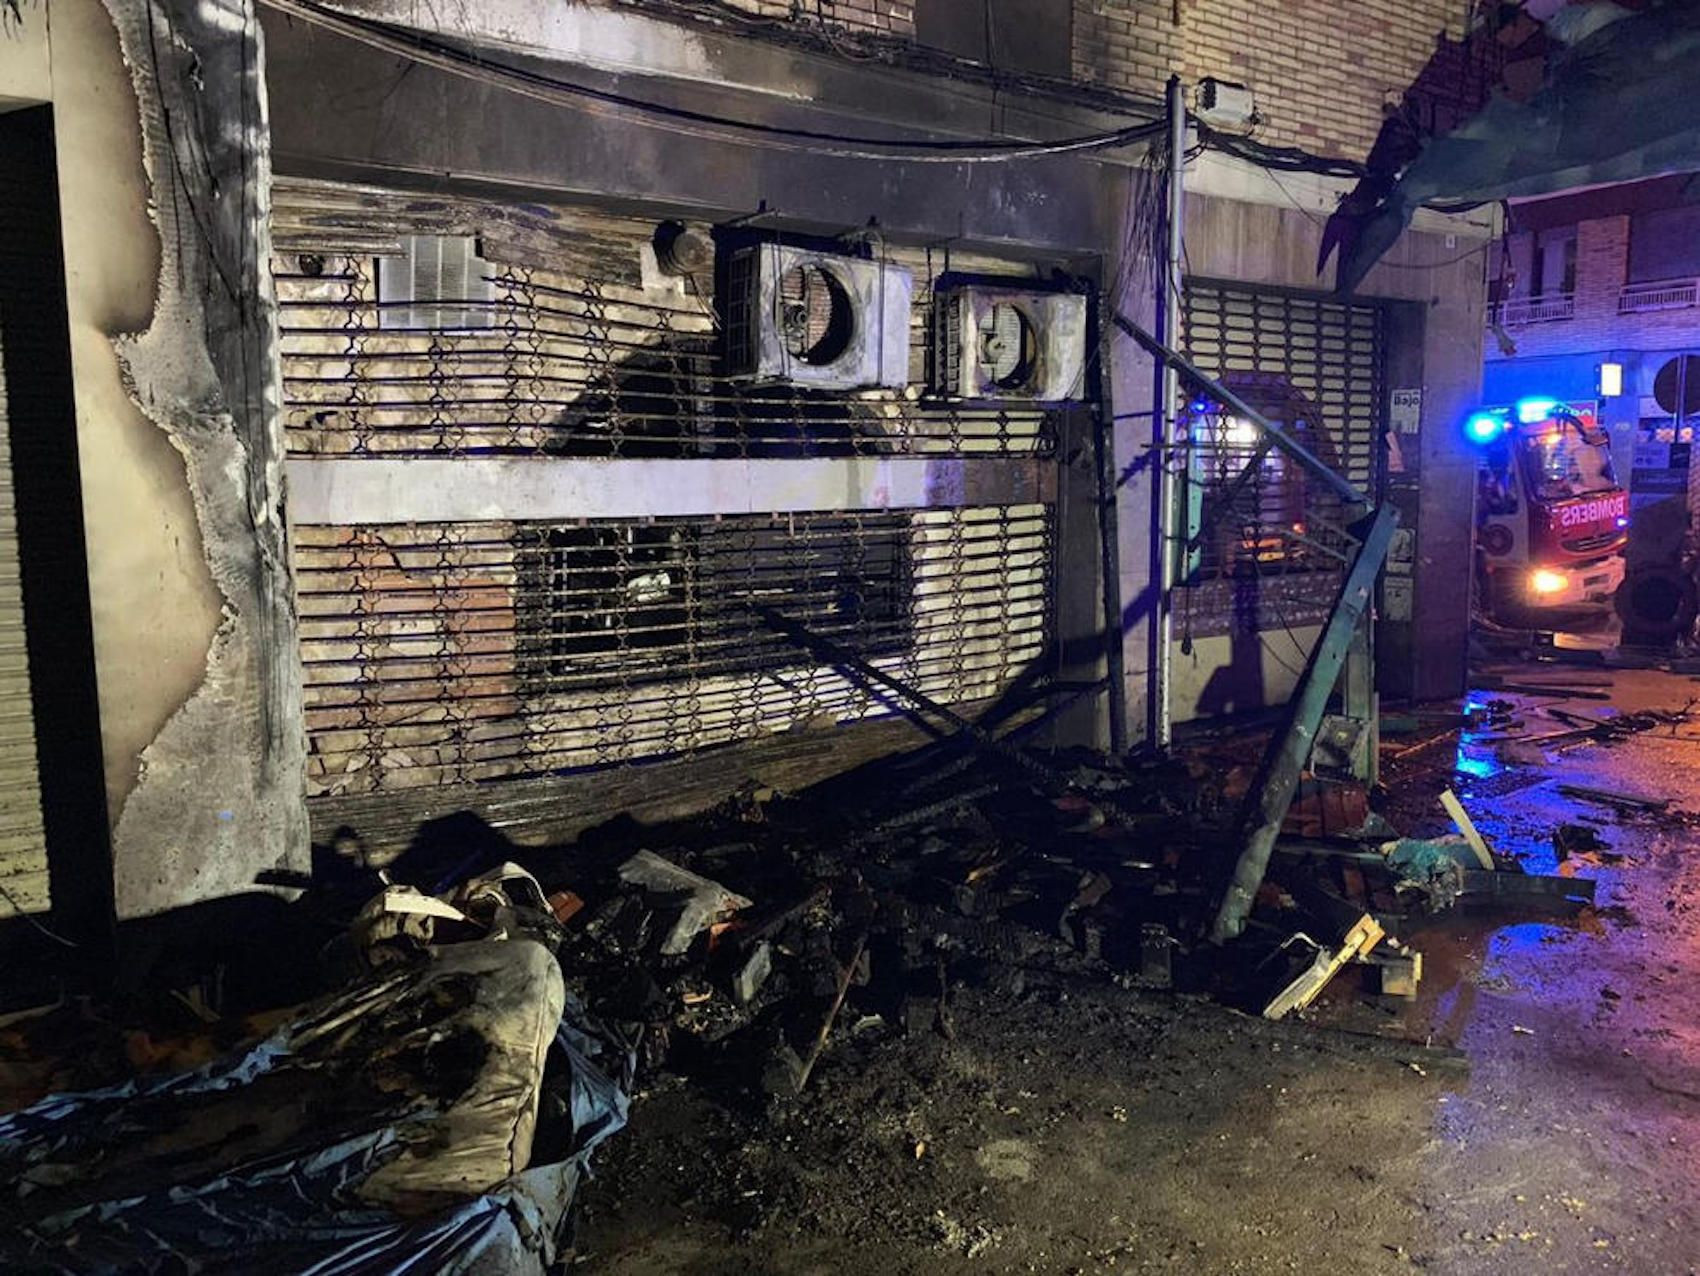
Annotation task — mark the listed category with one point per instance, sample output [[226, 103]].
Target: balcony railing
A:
[[1663, 294], [1522, 310]]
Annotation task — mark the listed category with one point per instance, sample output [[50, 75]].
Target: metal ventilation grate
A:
[[439, 282]]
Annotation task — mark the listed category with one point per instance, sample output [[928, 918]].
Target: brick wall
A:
[[879, 17], [1602, 266], [1131, 45], [1322, 70]]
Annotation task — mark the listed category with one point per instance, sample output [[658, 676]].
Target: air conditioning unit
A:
[[818, 320], [995, 342]]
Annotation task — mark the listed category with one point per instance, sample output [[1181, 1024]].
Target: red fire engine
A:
[[1551, 518]]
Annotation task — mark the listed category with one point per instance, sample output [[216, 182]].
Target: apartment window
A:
[[1555, 263], [1664, 245]]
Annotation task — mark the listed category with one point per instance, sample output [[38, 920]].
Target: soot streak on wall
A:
[[218, 797]]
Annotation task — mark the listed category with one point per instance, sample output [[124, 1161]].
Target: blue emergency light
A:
[[1533, 411], [1484, 427]]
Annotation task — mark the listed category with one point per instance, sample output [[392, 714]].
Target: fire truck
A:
[[1552, 521]]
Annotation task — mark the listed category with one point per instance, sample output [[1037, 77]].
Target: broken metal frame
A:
[[1277, 779], [918, 705], [1343, 487], [1342, 648]]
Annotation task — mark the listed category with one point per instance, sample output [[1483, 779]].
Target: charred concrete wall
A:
[[1323, 70], [399, 123], [1089, 207], [162, 162]]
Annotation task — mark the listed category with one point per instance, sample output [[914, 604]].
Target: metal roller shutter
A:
[[23, 853], [528, 537], [1274, 556]]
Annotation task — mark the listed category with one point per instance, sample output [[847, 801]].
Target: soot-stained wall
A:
[[159, 115]]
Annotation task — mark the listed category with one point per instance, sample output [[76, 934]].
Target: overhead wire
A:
[[423, 49], [1295, 159]]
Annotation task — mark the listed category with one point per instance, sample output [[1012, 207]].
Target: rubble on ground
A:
[[492, 1009]]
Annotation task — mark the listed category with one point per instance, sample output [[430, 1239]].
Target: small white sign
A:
[[1406, 414]]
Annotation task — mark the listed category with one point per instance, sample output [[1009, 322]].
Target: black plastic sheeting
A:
[[267, 1182]]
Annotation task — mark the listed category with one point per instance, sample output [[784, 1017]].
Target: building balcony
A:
[[1525, 310], [1662, 294]]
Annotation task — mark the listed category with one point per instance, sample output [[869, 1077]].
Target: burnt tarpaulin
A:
[[1616, 106], [388, 1129]]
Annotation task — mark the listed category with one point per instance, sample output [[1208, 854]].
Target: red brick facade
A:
[[1602, 267], [1322, 70]]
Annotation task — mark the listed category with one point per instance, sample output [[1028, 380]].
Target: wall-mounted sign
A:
[[1405, 413]]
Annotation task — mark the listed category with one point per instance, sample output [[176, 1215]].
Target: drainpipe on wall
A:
[[1167, 400]]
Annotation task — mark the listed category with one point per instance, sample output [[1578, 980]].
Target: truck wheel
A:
[[1657, 604]]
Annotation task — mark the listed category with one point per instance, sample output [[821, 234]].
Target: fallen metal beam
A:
[[1271, 793], [1533, 888], [1608, 798], [918, 703]]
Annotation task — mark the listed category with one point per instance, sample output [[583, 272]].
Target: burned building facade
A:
[[458, 390]]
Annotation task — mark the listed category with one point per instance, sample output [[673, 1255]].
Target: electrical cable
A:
[[1295, 159], [692, 123]]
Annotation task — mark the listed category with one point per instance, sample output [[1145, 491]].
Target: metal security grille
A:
[[535, 525], [548, 364], [23, 846], [1315, 365], [466, 652]]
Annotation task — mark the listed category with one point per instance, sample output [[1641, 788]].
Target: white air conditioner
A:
[[994, 342], [818, 320]]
